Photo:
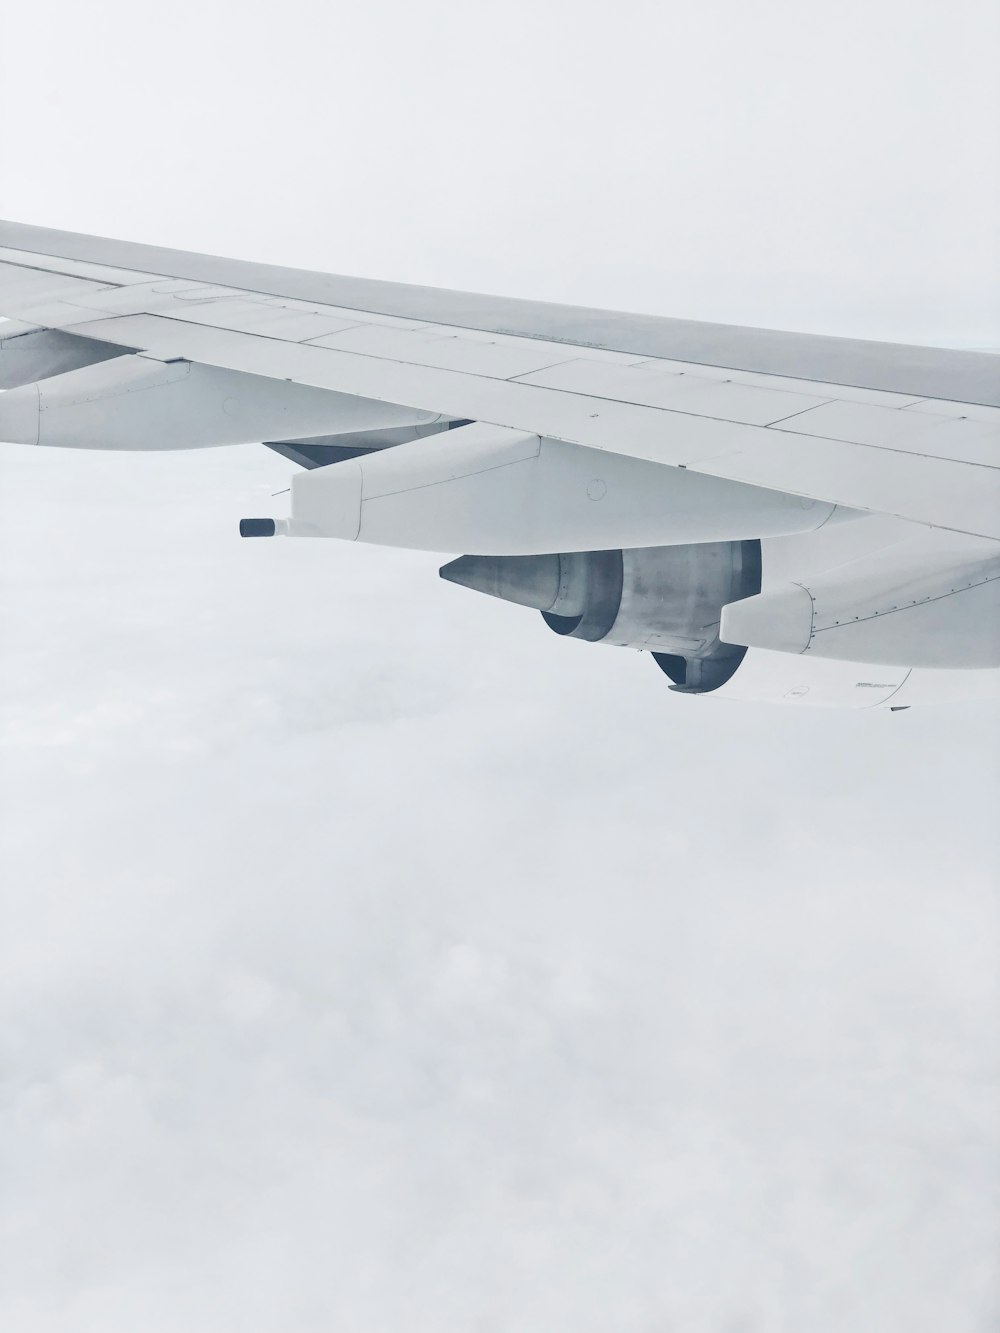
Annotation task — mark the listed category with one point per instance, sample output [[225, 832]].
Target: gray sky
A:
[[373, 959]]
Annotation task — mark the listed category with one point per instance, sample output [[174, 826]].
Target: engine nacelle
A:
[[666, 600], [912, 605], [670, 600]]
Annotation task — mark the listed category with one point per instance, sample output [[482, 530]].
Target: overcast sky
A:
[[373, 959]]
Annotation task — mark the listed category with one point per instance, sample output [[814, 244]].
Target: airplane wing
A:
[[502, 426]]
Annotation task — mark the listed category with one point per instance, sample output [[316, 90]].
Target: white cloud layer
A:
[[376, 959], [373, 959]]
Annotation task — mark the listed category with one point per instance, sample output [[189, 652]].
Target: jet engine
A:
[[667, 600]]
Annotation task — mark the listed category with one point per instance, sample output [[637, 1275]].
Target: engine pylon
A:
[[503, 492]]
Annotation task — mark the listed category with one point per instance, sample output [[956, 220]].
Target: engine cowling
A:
[[666, 600]]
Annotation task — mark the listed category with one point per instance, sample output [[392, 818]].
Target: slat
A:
[[21, 288]]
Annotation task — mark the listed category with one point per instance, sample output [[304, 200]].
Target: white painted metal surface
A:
[[925, 433], [137, 403], [942, 407], [76, 268], [911, 605], [812, 682], [682, 391], [926, 685], [500, 492], [28, 354], [457, 350], [817, 682], [273, 320], [23, 288]]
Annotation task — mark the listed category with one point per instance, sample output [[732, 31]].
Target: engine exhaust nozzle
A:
[[556, 584]]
